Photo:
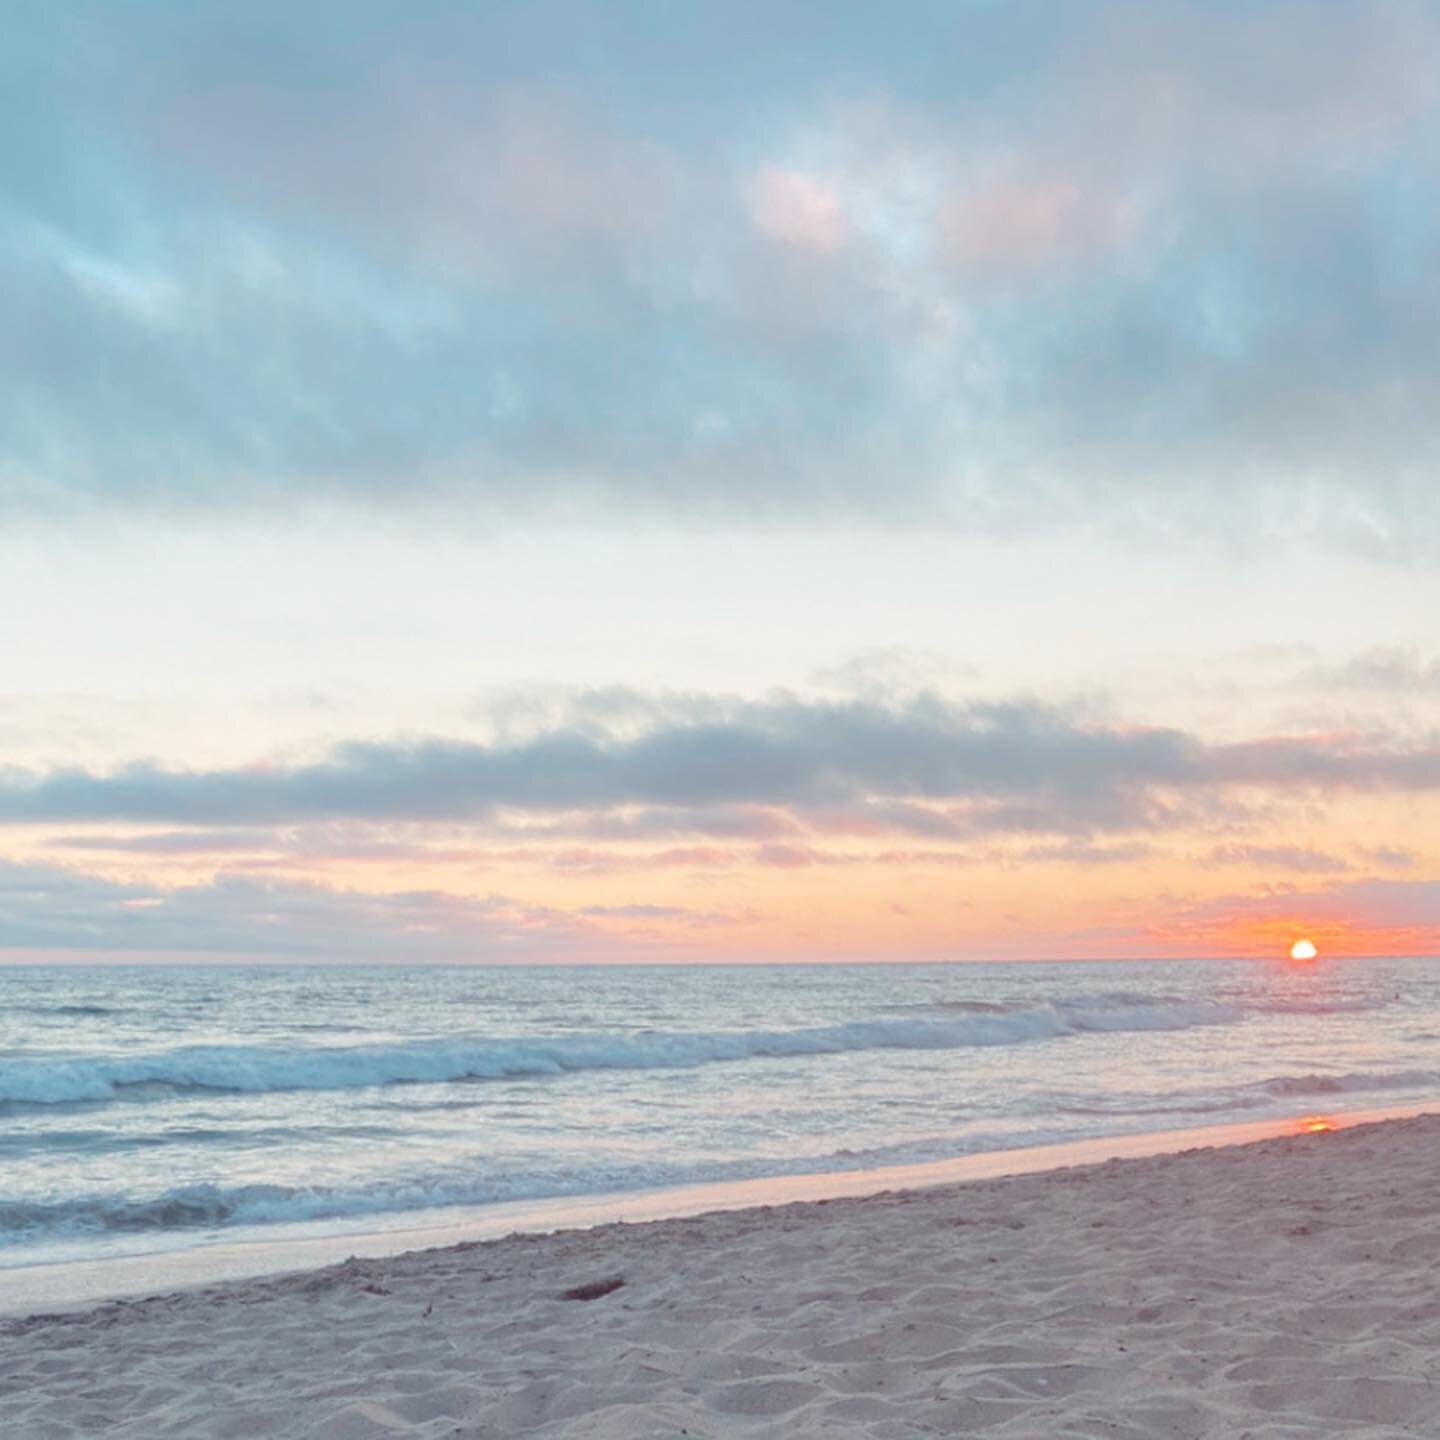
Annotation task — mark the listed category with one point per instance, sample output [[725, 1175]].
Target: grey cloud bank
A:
[[1161, 265], [925, 766]]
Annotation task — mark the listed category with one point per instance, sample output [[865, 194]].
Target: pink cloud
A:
[[790, 857], [797, 210], [1013, 222], [557, 171]]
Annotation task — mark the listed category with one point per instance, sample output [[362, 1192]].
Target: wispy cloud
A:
[[1361, 916], [171, 842], [1298, 859], [1384, 670], [46, 909]]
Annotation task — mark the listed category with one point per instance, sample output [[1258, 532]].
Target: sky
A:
[[551, 481]]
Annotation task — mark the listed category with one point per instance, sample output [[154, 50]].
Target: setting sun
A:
[[1303, 950]]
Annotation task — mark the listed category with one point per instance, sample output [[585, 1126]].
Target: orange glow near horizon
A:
[[833, 892], [1317, 1124]]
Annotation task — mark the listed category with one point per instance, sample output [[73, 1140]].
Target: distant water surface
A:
[[159, 1107]]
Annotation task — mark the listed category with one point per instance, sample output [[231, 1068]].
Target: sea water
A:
[[156, 1108]]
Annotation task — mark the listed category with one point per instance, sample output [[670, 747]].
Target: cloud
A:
[[1072, 852], [721, 822], [1300, 859], [170, 842], [760, 770], [1383, 669], [1160, 264], [879, 671], [634, 912], [687, 918], [782, 753], [1362, 916], [44, 909], [797, 210], [573, 860], [792, 857], [1388, 857], [1343, 761]]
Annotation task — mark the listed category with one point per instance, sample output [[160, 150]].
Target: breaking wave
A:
[[261, 1069], [1285, 1086]]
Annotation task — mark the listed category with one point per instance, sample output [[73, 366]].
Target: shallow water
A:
[[154, 1108]]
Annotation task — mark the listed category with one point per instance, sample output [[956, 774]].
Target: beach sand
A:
[[1281, 1289]]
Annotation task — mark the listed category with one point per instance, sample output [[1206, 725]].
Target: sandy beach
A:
[[1281, 1289]]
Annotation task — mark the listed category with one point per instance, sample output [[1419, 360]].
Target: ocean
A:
[[159, 1108]]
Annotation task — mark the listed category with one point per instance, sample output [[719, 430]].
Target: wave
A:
[[1123, 1000], [210, 1206], [1242, 1096], [261, 1069], [202, 1206], [1121, 1108], [70, 1011], [187, 1207], [1316, 1005], [1286, 1086]]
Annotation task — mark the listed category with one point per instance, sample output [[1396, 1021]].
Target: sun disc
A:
[[1303, 950]]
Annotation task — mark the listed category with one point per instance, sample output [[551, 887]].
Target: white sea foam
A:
[[258, 1069]]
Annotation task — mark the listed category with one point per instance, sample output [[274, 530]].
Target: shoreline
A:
[[294, 1249], [1281, 1288]]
